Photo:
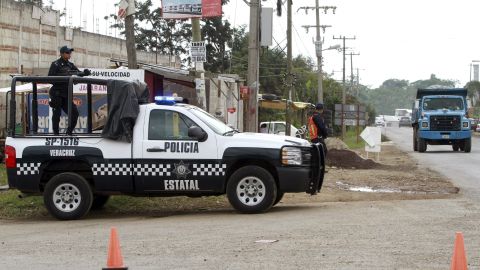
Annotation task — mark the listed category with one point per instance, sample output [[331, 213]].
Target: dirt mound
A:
[[335, 143], [342, 158]]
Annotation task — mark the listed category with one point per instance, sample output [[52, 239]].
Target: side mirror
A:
[[197, 133]]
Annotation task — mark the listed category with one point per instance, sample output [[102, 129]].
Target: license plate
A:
[[445, 136]]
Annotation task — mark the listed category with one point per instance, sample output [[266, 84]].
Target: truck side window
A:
[[168, 125], [280, 127]]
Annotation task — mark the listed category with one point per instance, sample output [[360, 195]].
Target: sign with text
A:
[[99, 113], [184, 9], [116, 74], [198, 52], [350, 114]]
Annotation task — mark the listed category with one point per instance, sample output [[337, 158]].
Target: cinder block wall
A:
[[28, 46]]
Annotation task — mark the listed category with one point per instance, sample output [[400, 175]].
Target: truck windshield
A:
[[453, 104], [216, 125]]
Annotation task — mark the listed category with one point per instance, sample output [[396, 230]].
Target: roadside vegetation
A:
[[351, 139]]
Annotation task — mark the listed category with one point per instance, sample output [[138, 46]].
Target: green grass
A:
[[12, 207], [351, 139], [3, 175]]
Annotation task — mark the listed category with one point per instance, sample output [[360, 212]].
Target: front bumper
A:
[[307, 179], [444, 135]]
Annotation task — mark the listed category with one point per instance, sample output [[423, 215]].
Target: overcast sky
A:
[[408, 39]]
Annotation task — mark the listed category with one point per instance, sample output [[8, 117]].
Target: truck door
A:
[[171, 161]]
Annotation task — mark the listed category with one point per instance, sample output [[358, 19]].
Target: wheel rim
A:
[[251, 190], [67, 197]]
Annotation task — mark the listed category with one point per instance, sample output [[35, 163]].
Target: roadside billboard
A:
[[99, 113], [184, 9]]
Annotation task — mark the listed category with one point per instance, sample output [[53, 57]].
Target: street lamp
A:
[[334, 47]]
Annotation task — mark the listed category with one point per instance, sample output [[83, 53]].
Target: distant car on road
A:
[[405, 121], [379, 122], [473, 124]]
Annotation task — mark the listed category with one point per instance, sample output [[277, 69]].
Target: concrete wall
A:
[[30, 40]]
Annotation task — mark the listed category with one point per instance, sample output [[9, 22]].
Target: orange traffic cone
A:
[[459, 259], [114, 259]]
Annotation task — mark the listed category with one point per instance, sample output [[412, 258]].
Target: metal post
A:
[[34, 108], [89, 108]]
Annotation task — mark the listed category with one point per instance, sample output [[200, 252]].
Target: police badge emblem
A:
[[181, 169]]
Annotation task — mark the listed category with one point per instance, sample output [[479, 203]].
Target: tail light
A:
[[10, 157]]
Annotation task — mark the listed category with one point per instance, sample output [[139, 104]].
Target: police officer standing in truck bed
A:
[[59, 91]]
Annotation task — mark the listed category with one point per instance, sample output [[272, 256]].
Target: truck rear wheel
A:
[[251, 189], [467, 145], [455, 147], [422, 145], [68, 196]]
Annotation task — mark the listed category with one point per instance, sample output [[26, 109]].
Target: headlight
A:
[[291, 156], [465, 124], [424, 124]]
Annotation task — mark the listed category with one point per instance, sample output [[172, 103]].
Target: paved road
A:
[[354, 235], [462, 168]]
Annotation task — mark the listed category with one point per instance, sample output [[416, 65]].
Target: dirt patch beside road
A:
[[396, 176]]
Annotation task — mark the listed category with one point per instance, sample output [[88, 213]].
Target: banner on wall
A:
[[99, 107], [184, 9]]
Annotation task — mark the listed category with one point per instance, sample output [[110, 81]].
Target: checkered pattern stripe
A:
[[28, 168], [111, 169], [209, 169], [153, 169]]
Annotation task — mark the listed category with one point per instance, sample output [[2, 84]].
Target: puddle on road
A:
[[348, 187]]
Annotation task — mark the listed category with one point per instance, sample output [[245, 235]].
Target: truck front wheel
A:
[[415, 139], [251, 189], [467, 145], [68, 196], [422, 145]]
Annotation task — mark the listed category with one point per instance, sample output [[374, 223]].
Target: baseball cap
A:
[[319, 106], [65, 49]]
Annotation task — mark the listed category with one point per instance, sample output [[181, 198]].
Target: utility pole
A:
[[351, 69], [199, 69], [289, 76], [130, 35], [344, 97], [251, 110], [318, 43]]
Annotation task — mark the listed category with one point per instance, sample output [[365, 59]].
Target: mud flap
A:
[[318, 169]]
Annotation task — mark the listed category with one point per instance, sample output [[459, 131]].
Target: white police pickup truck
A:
[[176, 150]]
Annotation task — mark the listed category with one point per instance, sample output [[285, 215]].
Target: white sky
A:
[[408, 39]]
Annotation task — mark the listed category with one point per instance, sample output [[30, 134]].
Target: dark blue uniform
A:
[[59, 93], [322, 130]]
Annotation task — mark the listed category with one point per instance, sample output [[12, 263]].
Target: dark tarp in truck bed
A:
[[123, 99]]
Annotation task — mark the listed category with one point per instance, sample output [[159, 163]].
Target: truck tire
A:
[[467, 145], [455, 147], [99, 201], [279, 197], [68, 196], [422, 145], [251, 189], [415, 139]]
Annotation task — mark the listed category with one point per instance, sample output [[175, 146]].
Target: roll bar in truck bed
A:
[[71, 80]]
